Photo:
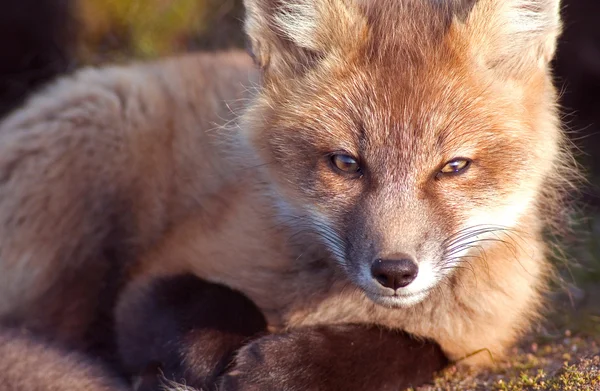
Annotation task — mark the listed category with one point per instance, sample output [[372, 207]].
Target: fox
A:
[[372, 164]]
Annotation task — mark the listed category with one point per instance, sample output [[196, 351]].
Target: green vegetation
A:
[[123, 29]]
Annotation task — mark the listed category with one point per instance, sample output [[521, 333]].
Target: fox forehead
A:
[[412, 109], [393, 22], [416, 79]]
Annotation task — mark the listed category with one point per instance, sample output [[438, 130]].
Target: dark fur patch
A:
[[340, 357], [184, 329], [455, 8]]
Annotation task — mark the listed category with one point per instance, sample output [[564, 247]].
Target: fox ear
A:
[[514, 36], [288, 36]]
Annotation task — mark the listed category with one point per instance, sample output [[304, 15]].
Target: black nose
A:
[[395, 273]]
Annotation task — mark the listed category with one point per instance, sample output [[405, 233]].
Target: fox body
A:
[[388, 163]]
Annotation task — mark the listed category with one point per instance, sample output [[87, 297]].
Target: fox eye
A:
[[455, 167], [345, 163]]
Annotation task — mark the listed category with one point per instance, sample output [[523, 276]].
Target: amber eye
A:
[[345, 163], [455, 166]]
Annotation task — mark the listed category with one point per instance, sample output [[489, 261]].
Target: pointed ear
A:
[[289, 36], [514, 36]]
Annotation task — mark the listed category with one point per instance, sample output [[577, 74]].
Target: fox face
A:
[[409, 136]]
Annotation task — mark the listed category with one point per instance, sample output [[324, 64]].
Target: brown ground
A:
[[562, 354]]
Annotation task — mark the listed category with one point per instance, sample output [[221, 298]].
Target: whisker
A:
[[475, 238]]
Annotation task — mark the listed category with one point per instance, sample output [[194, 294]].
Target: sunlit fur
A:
[[148, 162], [32, 364]]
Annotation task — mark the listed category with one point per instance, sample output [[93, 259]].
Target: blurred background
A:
[[40, 39]]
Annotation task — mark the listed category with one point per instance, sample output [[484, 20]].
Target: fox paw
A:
[[272, 363], [332, 358]]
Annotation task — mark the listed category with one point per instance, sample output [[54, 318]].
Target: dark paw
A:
[[183, 329], [332, 358], [271, 363]]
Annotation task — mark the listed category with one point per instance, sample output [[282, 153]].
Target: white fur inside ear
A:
[[298, 21], [531, 16], [515, 34]]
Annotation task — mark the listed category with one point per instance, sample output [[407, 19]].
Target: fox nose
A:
[[395, 273]]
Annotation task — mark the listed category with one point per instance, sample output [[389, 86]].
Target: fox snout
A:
[[395, 272]]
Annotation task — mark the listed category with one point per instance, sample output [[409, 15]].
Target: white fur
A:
[[298, 21]]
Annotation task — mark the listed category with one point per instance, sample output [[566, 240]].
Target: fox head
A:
[[407, 134]]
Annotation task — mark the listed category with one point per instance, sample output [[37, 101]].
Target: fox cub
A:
[[387, 164]]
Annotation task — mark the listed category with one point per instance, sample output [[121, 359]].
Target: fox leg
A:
[[182, 329]]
